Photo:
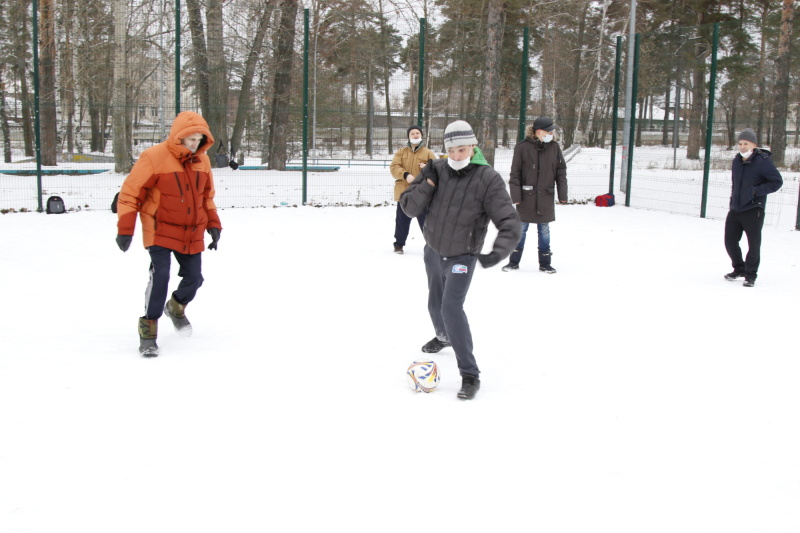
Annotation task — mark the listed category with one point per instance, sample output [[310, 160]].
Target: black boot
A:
[[148, 331], [736, 274], [177, 313], [469, 387], [544, 262]]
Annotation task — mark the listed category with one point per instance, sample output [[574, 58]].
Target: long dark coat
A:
[[537, 169]]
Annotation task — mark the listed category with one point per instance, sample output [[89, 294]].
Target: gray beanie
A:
[[748, 135], [459, 133]]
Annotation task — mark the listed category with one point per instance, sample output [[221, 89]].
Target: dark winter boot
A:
[[469, 387], [544, 262], [434, 345], [148, 331], [176, 312]]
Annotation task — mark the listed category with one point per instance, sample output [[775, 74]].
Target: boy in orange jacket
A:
[[172, 190]]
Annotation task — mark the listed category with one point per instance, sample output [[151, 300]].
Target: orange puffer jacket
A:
[[172, 190]]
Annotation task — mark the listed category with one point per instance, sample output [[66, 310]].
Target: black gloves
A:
[[214, 232], [432, 175], [124, 242], [489, 260]]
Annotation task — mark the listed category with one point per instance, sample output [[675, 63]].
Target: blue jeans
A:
[[543, 231]]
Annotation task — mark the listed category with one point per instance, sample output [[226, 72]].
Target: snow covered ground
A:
[[634, 391]]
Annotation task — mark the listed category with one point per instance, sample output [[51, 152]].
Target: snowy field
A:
[[635, 391]]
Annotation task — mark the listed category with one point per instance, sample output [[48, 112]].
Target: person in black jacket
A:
[[753, 177], [537, 170], [462, 194]]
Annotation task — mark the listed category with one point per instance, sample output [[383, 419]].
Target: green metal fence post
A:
[[421, 73], [305, 104], [36, 122], [177, 57], [710, 123], [632, 136], [523, 90], [614, 117]]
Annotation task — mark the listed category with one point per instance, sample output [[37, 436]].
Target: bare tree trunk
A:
[[570, 125], [283, 86], [200, 55], [217, 79], [67, 75], [696, 132], [244, 106], [370, 110], [122, 163], [762, 72], [4, 119], [494, 46], [386, 76], [47, 80], [781, 109]]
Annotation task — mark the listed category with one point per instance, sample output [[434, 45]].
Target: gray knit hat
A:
[[459, 133], [748, 135]]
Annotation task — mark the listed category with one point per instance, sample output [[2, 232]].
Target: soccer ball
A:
[[423, 375]]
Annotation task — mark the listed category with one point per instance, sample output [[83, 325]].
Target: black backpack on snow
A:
[[114, 203], [55, 206]]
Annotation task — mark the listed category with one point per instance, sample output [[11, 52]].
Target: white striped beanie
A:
[[459, 133]]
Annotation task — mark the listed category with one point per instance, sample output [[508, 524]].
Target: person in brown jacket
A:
[[406, 165], [537, 170], [172, 190]]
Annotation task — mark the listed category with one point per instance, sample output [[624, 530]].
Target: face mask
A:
[[415, 141], [457, 165], [547, 138], [745, 155]]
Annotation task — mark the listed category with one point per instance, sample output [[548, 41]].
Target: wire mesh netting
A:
[[338, 87]]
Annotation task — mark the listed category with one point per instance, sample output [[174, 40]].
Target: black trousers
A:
[[156, 294], [449, 279], [402, 224], [750, 223]]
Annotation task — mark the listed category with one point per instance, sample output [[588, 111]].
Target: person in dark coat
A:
[[462, 194], [753, 176], [538, 169]]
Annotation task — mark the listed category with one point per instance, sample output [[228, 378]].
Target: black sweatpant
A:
[[449, 279], [156, 293], [749, 222]]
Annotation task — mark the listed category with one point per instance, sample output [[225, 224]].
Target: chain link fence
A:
[[312, 104]]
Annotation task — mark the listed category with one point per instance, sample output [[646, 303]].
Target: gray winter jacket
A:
[[460, 207]]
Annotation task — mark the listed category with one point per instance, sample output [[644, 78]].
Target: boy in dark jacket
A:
[[753, 177], [538, 169], [462, 194]]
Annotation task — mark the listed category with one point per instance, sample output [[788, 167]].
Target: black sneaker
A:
[[434, 346], [547, 268], [469, 387], [398, 249], [733, 276], [749, 282], [509, 267]]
